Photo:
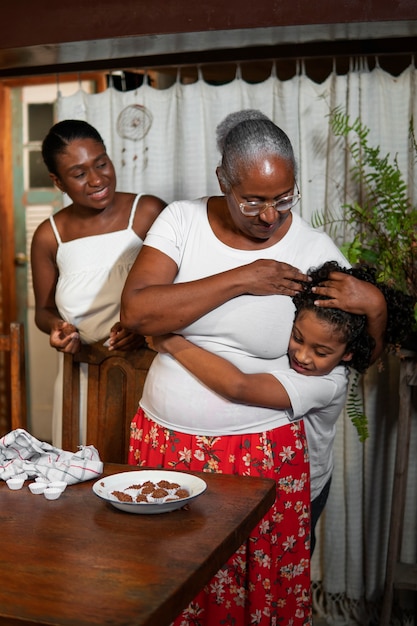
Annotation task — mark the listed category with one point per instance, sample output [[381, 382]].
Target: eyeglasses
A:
[[250, 209]]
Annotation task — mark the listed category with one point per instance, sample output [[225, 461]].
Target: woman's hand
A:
[[360, 297], [65, 337], [122, 339], [349, 294], [267, 277]]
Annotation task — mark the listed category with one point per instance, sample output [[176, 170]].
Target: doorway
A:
[[34, 199]]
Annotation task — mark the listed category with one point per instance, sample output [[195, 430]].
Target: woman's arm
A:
[[222, 376], [360, 297], [63, 336], [153, 305], [148, 209]]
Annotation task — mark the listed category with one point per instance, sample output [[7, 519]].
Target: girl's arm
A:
[[221, 376]]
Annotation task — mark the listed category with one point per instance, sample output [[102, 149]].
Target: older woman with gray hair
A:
[[221, 271]]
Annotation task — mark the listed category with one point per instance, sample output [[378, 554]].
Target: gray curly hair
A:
[[243, 139]]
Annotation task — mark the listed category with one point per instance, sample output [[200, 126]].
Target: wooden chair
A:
[[115, 384], [15, 367]]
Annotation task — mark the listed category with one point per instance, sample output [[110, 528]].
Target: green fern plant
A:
[[381, 227], [355, 410], [383, 224]]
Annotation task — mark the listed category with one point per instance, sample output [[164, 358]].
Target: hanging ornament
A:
[[134, 122]]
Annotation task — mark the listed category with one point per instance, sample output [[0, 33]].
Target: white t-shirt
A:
[[250, 331], [319, 400]]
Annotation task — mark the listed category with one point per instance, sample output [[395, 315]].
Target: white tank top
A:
[[92, 274]]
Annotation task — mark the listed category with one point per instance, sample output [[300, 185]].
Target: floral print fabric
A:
[[267, 581]]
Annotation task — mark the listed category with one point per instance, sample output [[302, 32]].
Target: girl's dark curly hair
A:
[[400, 308], [352, 327]]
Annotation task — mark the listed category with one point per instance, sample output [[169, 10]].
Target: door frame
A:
[[8, 245]]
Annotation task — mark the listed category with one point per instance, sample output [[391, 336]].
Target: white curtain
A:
[[169, 150]]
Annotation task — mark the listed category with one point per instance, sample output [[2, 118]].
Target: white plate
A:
[[119, 482]]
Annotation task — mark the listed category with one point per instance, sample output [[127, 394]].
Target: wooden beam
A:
[[372, 48], [27, 23]]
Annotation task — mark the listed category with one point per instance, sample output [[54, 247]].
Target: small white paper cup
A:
[[52, 493], [15, 483], [38, 487]]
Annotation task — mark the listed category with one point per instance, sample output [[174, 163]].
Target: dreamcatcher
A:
[[134, 122]]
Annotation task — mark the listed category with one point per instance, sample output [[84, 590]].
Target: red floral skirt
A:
[[267, 581]]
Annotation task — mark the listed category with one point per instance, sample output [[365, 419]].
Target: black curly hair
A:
[[352, 327], [400, 308]]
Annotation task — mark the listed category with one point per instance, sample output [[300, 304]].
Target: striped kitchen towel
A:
[[21, 453]]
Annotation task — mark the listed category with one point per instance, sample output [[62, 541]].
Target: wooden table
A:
[[78, 561]]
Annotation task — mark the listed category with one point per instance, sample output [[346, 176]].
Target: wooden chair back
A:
[[115, 384], [15, 366]]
